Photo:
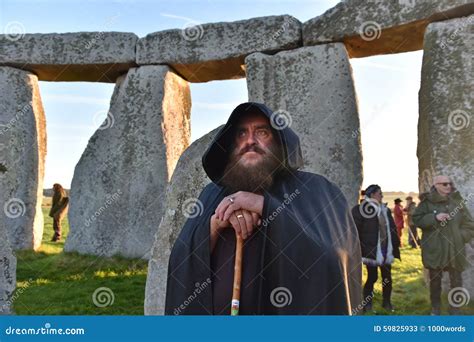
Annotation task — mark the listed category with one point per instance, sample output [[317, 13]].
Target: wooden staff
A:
[[237, 276]]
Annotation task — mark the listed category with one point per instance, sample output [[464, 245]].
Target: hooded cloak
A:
[[305, 257]]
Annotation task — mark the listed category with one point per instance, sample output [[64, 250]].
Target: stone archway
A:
[[152, 72]]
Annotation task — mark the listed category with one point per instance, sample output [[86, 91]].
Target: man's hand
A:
[[242, 221], [240, 200], [441, 217]]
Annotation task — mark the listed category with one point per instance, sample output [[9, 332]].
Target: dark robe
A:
[[304, 259]]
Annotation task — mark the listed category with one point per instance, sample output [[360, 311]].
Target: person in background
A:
[[447, 226], [413, 239], [398, 216], [58, 209], [379, 243]]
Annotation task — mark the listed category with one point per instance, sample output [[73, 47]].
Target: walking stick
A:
[[237, 276], [413, 237]]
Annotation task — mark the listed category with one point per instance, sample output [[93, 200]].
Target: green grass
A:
[[410, 295], [51, 282]]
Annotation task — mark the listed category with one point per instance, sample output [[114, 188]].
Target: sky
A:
[[387, 86]]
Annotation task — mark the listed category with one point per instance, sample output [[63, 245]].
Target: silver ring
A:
[[240, 215], [230, 199]]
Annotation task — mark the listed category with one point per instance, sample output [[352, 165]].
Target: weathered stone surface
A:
[[118, 187], [312, 90], [445, 127], [7, 271], [186, 184], [216, 51], [82, 56], [377, 27], [22, 155]]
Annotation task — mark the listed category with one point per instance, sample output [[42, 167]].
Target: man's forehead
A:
[[254, 118], [441, 179]]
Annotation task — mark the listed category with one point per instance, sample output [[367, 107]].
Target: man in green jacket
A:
[[447, 226]]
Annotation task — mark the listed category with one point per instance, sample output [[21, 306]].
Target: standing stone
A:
[[118, 187], [22, 155], [445, 126], [7, 271], [311, 89], [189, 179]]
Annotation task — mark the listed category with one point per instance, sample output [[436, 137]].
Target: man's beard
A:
[[255, 177]]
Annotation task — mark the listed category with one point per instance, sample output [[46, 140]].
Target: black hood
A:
[[216, 156]]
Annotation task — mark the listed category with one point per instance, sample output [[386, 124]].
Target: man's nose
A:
[[251, 139]]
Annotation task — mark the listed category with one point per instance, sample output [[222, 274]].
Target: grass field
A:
[[51, 282]]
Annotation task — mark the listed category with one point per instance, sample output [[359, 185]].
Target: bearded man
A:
[[301, 250]]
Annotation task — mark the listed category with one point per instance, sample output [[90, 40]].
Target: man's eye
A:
[[262, 133], [241, 133]]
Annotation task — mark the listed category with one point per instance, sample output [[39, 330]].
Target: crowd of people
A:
[[446, 226]]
